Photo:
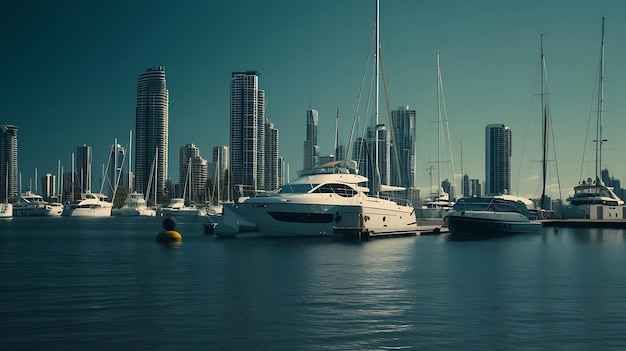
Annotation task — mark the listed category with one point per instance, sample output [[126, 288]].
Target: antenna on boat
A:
[[599, 139]]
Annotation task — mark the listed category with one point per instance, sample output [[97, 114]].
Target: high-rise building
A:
[[272, 159], [185, 155], [311, 148], [82, 171], [219, 163], [8, 162], [466, 185], [497, 159], [475, 187], [193, 171], [151, 126], [403, 147], [218, 171], [48, 186], [115, 176], [247, 131], [365, 151]]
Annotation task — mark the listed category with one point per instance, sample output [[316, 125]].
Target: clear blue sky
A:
[[68, 72]]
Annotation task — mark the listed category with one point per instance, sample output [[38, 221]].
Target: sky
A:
[[68, 75]]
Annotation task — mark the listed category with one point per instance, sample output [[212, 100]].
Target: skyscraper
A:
[[247, 131], [403, 147], [151, 125], [82, 172], [8, 162], [497, 159], [193, 171], [311, 148]]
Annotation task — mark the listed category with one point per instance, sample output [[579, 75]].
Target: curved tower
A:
[[151, 128]]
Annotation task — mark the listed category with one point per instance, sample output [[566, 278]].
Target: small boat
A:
[[6, 210], [492, 215], [90, 205], [177, 207], [134, 205]]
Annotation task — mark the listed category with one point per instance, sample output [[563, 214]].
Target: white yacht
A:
[[6, 210], [326, 200], [592, 199], [134, 205], [90, 205], [31, 204], [177, 207]]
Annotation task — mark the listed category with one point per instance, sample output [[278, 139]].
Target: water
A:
[[105, 284]]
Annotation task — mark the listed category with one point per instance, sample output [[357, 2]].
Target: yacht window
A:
[[333, 188], [297, 188]]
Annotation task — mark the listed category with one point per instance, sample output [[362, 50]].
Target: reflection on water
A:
[[107, 285]]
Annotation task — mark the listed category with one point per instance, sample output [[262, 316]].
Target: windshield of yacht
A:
[[297, 188], [339, 189]]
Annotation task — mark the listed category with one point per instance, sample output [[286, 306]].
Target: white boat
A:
[[439, 203], [6, 210], [326, 200], [31, 204], [592, 199], [492, 216], [134, 205], [177, 207], [330, 199], [90, 205]]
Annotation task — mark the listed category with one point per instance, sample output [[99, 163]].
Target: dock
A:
[[585, 223]]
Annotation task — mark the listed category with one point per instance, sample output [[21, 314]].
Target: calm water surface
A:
[[105, 284]]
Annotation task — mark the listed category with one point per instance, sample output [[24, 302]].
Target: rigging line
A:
[[356, 111], [391, 126], [445, 115]]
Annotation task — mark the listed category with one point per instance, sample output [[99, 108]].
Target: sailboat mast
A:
[[544, 138], [599, 139], [377, 74], [438, 125]]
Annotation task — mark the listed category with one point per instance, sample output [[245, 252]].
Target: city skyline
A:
[[489, 69]]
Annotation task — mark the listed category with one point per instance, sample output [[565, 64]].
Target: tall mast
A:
[[438, 125], [375, 129], [544, 138], [599, 139]]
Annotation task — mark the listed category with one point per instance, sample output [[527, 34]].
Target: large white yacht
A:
[[90, 205], [134, 205], [326, 200], [31, 204]]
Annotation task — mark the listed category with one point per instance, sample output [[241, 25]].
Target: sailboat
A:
[[178, 206], [135, 203], [331, 199], [439, 203], [592, 199]]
